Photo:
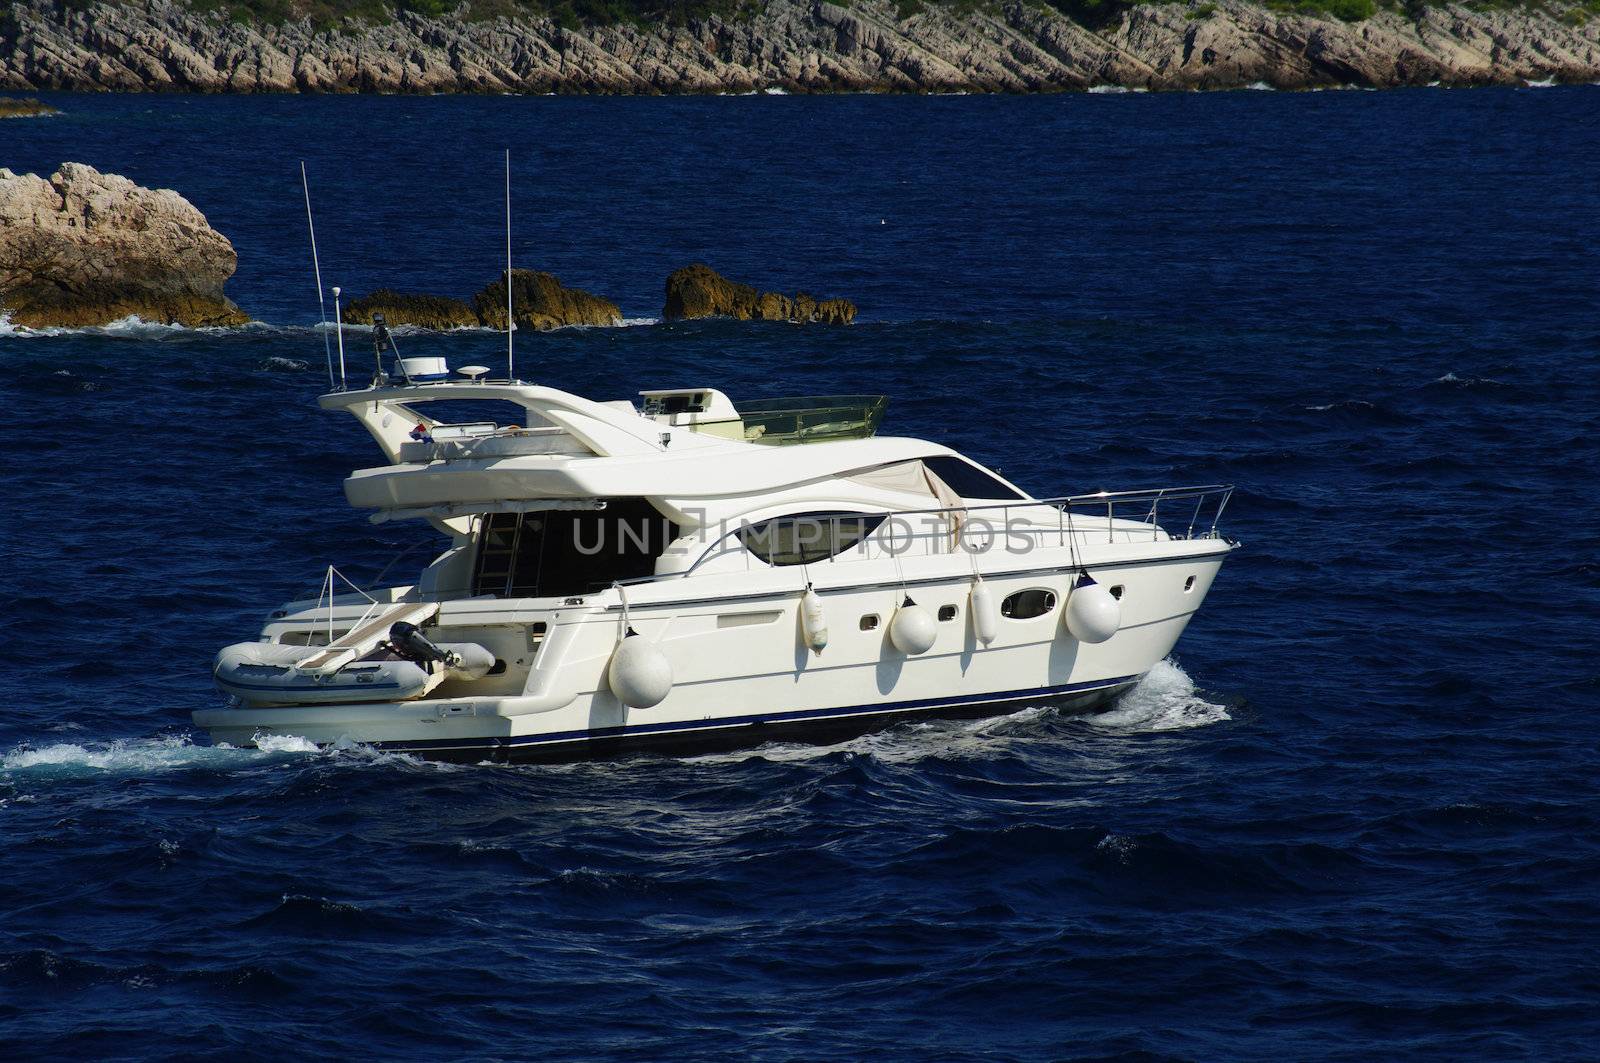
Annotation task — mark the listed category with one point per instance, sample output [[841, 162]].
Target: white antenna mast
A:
[[322, 306], [510, 371], [338, 319]]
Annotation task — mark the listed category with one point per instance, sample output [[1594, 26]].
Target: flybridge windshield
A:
[[473, 411]]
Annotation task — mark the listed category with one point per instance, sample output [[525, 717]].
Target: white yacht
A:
[[682, 572]]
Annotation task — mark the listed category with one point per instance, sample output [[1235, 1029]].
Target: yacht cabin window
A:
[[806, 538]]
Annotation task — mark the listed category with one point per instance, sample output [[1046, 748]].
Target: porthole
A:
[[869, 622], [1116, 592], [1188, 585], [1025, 605], [947, 612], [499, 668]]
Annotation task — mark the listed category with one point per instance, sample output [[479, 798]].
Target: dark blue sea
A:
[[1356, 817]]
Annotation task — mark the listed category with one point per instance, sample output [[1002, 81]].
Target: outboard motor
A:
[[409, 642]]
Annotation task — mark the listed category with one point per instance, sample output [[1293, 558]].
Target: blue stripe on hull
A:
[[798, 715]]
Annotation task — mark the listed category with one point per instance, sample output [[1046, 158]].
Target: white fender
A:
[[1092, 614], [472, 661], [639, 674], [912, 630], [814, 620], [985, 614]]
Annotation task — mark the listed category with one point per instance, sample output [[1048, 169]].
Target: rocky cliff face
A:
[[87, 248], [800, 46]]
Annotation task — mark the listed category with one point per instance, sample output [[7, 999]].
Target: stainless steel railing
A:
[[1079, 520]]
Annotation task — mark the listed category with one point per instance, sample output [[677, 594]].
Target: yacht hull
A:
[[743, 672], [747, 732]]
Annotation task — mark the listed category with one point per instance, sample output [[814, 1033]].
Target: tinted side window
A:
[[805, 538], [966, 479]]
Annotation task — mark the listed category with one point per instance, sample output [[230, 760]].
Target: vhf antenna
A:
[[511, 375], [316, 266]]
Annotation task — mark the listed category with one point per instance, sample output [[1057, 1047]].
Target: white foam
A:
[[285, 744], [130, 327], [156, 756], [1349, 404], [145, 756], [1260, 86], [1115, 90], [1543, 83], [1164, 700], [1464, 381]]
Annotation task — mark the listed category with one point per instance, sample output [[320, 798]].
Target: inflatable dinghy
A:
[[407, 665]]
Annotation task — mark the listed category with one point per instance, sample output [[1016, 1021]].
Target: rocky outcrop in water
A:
[[401, 308], [87, 248], [700, 291], [15, 108], [540, 301], [799, 46]]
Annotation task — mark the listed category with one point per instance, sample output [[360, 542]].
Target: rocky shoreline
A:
[[865, 45]]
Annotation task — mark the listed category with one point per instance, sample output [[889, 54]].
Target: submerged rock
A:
[[402, 308], [700, 291], [87, 248], [539, 301]]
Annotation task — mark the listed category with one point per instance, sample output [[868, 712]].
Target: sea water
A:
[[1355, 816]]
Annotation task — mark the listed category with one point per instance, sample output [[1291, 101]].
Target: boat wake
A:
[[163, 755], [140, 756], [1164, 700]]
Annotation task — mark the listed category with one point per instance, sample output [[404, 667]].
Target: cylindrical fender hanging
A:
[[1092, 614], [639, 674], [985, 614], [813, 620], [913, 629]]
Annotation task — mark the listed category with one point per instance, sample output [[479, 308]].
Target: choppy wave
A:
[[1164, 700], [1348, 404], [147, 756], [160, 755], [1454, 380], [136, 328]]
